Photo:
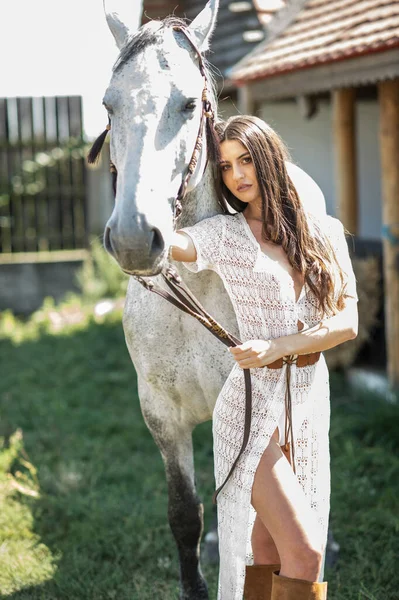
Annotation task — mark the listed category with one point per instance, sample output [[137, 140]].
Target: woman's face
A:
[[238, 172]]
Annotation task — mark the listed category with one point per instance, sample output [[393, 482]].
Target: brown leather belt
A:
[[301, 360]]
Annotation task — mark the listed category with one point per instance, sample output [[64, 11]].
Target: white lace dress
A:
[[263, 296]]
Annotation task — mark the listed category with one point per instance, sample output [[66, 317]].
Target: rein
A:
[[182, 298]]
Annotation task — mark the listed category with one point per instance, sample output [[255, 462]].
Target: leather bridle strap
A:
[[182, 298], [206, 113]]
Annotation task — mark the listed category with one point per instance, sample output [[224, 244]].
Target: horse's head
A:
[[154, 104]]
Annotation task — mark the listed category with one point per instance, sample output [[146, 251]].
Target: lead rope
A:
[[289, 446], [188, 303]]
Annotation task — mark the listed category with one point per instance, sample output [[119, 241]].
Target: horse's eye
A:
[[191, 104]]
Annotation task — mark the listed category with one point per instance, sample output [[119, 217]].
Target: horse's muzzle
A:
[[143, 252]]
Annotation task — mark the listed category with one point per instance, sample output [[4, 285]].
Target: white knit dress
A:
[[263, 296]]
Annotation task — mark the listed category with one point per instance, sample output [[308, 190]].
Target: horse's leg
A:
[[185, 511]]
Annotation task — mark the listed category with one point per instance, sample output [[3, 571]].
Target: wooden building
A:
[[327, 77]]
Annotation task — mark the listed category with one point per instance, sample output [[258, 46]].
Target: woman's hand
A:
[[256, 353]]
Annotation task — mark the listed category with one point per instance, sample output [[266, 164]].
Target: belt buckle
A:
[[290, 359]]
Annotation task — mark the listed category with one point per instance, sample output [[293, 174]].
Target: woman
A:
[[291, 283]]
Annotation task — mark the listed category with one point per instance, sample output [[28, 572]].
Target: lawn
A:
[[82, 490]]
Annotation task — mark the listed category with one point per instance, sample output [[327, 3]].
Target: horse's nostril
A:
[[107, 240], [157, 242]]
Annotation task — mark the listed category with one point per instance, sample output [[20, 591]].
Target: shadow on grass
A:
[[101, 514]]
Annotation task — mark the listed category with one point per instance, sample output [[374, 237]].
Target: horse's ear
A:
[[203, 25], [123, 18]]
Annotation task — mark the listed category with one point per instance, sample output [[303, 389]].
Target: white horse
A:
[[154, 103]]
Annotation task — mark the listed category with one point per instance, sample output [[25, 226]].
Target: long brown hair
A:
[[284, 219]]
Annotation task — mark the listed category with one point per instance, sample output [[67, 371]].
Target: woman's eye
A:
[[225, 167], [246, 160], [191, 104]]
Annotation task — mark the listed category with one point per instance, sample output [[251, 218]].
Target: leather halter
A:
[[206, 113]]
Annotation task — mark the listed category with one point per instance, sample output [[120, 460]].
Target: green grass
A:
[[365, 495], [82, 489]]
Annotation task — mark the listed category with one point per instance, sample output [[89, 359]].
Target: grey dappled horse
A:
[[154, 103]]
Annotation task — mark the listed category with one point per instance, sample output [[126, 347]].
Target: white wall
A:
[[309, 142], [311, 146], [369, 170]]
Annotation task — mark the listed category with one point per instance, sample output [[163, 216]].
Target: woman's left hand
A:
[[256, 353]]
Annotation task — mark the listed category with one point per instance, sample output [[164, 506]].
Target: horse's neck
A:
[[200, 203]]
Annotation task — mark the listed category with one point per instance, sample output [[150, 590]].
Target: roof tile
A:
[[324, 31]]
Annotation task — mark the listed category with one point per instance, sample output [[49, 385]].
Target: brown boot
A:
[[258, 582], [285, 588]]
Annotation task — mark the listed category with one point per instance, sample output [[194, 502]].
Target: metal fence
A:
[[42, 174]]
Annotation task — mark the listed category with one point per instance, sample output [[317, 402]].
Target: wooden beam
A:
[[353, 72], [344, 130], [389, 145]]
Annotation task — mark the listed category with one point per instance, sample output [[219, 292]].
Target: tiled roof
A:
[[321, 32]]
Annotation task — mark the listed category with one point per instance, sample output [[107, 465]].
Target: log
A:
[[388, 93]]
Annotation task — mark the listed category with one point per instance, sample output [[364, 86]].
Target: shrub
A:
[[100, 276]]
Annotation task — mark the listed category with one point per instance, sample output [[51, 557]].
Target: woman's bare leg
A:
[[263, 546], [282, 508]]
